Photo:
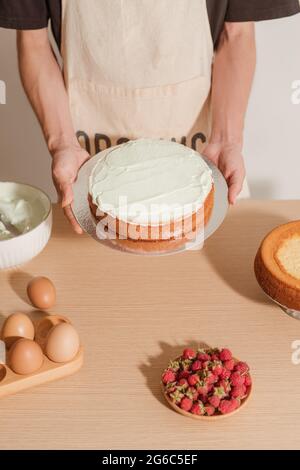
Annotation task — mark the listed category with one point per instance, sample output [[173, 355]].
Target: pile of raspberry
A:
[[207, 382]]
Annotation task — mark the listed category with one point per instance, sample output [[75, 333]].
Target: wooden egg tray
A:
[[11, 383], [206, 418]]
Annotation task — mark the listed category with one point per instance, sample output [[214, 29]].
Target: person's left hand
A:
[[229, 159]]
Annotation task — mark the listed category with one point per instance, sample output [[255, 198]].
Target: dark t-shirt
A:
[[35, 14]]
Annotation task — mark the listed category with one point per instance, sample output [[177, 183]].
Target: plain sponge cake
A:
[[152, 190], [277, 265]]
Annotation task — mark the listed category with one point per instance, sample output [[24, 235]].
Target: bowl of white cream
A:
[[25, 223]]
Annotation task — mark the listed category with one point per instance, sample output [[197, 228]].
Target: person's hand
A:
[[65, 165], [229, 159]]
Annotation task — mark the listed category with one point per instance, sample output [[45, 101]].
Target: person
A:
[[173, 69]]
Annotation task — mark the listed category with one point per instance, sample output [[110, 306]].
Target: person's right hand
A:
[[65, 165]]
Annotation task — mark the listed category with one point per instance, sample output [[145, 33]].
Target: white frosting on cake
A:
[[150, 182]]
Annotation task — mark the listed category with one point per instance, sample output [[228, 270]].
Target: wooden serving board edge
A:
[[50, 371]]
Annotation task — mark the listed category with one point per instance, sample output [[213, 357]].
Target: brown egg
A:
[[62, 343], [43, 327], [25, 357], [17, 326], [41, 293]]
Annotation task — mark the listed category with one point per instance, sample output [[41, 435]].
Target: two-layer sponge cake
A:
[[152, 194], [277, 265]]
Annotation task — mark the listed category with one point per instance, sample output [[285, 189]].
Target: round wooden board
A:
[[207, 418]]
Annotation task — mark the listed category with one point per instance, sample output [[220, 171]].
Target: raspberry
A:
[[192, 393], [241, 367], [225, 374], [229, 365], [183, 383], [235, 403], [206, 364], [186, 404], [225, 385], [209, 410], [236, 379], [184, 374], [193, 379], [227, 406], [217, 369], [203, 356], [214, 401], [203, 398], [238, 392], [198, 409], [202, 388], [225, 355], [215, 357], [196, 366], [210, 378], [224, 407], [168, 376], [248, 380], [188, 354]]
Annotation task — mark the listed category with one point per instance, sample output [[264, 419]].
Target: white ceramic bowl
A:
[[21, 249]]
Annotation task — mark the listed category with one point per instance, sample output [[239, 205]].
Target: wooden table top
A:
[[134, 314]]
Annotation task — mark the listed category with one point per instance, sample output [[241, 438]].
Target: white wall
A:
[[23, 153], [272, 138], [272, 143]]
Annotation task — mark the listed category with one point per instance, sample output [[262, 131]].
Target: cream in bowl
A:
[[25, 223]]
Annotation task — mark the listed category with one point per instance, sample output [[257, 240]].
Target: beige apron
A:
[[138, 68]]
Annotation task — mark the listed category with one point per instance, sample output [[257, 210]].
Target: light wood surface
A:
[[134, 314]]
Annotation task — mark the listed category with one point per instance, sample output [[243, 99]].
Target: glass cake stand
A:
[[289, 311]]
